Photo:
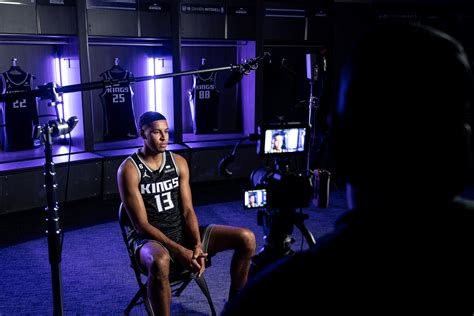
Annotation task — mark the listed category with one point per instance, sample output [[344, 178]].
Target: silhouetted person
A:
[[154, 187], [405, 245]]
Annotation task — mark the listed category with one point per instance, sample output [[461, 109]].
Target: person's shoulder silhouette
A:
[[404, 95], [400, 141]]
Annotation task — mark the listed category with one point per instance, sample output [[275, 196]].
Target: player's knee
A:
[[247, 238], [160, 265]]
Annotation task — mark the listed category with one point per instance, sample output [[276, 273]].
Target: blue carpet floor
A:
[[96, 276]]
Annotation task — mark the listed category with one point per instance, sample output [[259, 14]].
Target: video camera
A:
[[279, 186], [278, 189]]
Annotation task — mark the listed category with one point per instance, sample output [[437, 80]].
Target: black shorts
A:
[[137, 243]]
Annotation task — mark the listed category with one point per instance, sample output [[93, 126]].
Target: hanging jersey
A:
[[119, 115], [204, 102], [160, 192], [21, 115]]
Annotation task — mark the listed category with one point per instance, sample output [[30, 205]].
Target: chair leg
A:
[[133, 302], [177, 292], [201, 282], [148, 308], [141, 293]]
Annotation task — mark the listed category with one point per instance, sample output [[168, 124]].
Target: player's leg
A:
[[242, 241], [156, 260]]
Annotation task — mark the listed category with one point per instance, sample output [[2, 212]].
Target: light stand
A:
[[47, 132], [315, 74], [315, 69], [54, 229], [51, 91]]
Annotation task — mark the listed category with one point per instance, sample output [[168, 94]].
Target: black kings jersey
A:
[[204, 102], [21, 115], [119, 115], [160, 193]]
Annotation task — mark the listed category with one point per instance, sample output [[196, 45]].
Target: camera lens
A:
[[258, 175]]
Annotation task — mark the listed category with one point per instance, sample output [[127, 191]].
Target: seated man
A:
[[154, 188]]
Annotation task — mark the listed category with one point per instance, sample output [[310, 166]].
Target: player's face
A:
[[252, 199], [278, 142], [156, 135]]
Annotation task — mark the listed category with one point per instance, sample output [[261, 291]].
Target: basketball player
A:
[[119, 115], [252, 201], [204, 102], [20, 115], [154, 187], [278, 143]]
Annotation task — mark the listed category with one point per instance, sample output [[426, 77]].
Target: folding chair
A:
[[178, 281]]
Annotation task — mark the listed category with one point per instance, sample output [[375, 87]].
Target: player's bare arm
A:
[[190, 219]]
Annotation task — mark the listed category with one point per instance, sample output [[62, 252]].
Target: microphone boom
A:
[[245, 68]]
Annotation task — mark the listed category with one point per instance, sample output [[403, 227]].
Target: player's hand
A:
[[200, 256], [188, 261]]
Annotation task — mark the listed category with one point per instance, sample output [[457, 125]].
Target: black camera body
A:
[[279, 187], [283, 189]]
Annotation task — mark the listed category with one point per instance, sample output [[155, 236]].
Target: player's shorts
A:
[[137, 243]]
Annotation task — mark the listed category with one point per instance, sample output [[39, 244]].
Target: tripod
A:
[[280, 221], [279, 238]]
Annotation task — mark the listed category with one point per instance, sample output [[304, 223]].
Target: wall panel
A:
[[57, 20], [103, 22], [18, 19]]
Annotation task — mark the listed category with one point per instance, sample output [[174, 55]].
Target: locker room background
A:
[[74, 41]]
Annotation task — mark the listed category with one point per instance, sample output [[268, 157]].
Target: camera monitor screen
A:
[[255, 198], [283, 140]]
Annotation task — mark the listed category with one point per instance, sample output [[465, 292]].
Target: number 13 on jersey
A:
[[164, 202]]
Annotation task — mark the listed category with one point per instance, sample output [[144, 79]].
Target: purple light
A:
[[58, 80], [150, 71], [67, 72], [160, 91]]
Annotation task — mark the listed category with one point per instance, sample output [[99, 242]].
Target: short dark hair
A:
[[149, 117]]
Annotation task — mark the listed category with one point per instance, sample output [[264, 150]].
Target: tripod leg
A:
[[306, 233]]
